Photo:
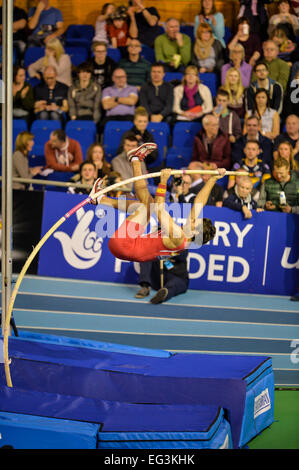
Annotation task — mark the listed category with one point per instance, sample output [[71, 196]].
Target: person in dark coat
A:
[[175, 278]]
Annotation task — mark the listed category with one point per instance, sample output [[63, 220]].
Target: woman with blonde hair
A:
[[285, 150], [236, 91], [237, 61], [207, 52], [55, 56], [20, 164], [192, 99]]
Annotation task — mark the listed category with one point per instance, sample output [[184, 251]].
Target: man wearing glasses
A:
[[103, 65], [136, 67], [50, 97], [263, 80]]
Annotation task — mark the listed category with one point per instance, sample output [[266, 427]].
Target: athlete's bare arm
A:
[[174, 235], [200, 201]]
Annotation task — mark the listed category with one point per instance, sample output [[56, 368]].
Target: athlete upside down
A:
[[131, 243]]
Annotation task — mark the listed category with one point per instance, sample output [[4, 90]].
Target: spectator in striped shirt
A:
[[136, 67]]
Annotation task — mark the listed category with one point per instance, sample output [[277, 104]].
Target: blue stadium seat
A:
[[178, 157], [179, 154], [184, 132], [172, 76], [85, 132], [62, 176], [41, 129], [114, 54], [112, 135], [32, 54], [148, 53], [188, 30], [19, 125], [227, 34], [210, 80], [161, 134], [77, 54], [79, 35]]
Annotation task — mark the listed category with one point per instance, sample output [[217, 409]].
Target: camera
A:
[[110, 181], [177, 181]]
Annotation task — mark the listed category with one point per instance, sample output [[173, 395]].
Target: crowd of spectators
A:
[[251, 123]]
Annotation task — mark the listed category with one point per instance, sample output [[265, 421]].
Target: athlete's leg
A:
[[174, 235], [136, 156], [121, 204]]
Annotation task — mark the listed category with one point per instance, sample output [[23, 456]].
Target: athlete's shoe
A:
[[98, 185], [142, 151]]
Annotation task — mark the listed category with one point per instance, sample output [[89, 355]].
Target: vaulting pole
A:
[[59, 223], [7, 123]]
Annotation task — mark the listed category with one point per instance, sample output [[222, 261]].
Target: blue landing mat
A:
[[120, 425], [243, 385]]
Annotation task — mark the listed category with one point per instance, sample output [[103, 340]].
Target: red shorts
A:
[[129, 243]]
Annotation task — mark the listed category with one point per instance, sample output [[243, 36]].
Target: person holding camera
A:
[[181, 189]]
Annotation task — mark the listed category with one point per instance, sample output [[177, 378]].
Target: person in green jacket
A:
[[279, 70], [173, 48], [281, 191]]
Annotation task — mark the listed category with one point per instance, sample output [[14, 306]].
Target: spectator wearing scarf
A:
[[208, 52], [190, 94]]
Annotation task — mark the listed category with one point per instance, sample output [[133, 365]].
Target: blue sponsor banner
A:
[[257, 255]]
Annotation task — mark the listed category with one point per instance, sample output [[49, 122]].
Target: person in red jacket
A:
[[63, 153], [211, 144]]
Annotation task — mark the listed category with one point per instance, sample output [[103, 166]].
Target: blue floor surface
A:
[[197, 321]]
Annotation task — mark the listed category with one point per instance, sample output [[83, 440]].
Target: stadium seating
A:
[[32, 54], [188, 30], [112, 136], [179, 154], [19, 125], [41, 129], [79, 35], [82, 131], [148, 53], [169, 76], [161, 134], [77, 54], [211, 81], [227, 34], [114, 54]]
